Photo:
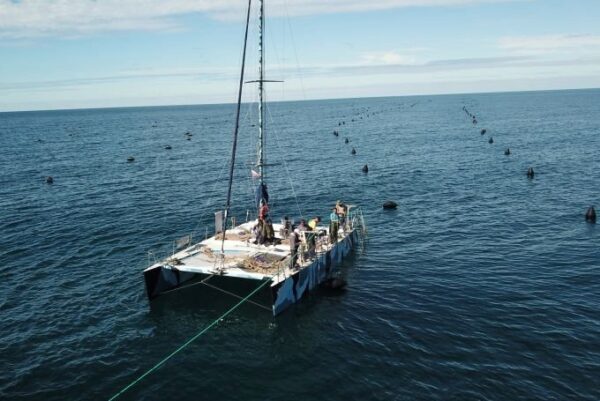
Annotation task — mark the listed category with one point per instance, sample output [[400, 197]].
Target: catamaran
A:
[[287, 264]]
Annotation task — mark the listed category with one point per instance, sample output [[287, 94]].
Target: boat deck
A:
[[242, 258]]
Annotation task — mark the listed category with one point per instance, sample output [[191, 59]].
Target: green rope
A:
[[188, 342]]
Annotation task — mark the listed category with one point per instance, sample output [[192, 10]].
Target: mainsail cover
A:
[[261, 195]]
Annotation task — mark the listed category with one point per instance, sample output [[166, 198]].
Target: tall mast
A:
[[261, 120]]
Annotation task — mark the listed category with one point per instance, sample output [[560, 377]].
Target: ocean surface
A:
[[482, 285]]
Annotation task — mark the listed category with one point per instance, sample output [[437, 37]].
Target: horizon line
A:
[[296, 100]]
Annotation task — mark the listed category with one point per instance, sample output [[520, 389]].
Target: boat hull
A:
[[283, 294], [293, 288]]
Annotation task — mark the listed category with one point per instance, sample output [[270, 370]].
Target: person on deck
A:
[[302, 226], [312, 223], [294, 248], [263, 211], [334, 226], [286, 227], [341, 211]]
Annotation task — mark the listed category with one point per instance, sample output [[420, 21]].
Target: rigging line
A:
[[191, 340], [284, 162], [235, 132], [183, 287], [236, 296], [287, 15]]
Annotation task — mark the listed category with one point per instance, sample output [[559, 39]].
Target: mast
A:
[[261, 120], [235, 133]]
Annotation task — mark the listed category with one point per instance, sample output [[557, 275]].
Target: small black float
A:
[[346, 140], [483, 131], [390, 205], [168, 147], [507, 151], [130, 159], [491, 140], [336, 133], [365, 169], [49, 180], [530, 172], [590, 215], [334, 283], [353, 151]]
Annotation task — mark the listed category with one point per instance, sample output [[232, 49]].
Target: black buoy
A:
[[590, 215], [365, 169], [507, 151], [491, 140], [336, 133], [530, 172], [353, 151], [189, 138], [168, 147], [390, 205], [130, 159], [474, 121], [483, 131], [188, 133], [346, 140], [334, 283], [50, 180]]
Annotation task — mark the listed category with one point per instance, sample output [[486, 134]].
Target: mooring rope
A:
[[188, 342]]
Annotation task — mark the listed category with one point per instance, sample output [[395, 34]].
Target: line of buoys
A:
[[590, 215]]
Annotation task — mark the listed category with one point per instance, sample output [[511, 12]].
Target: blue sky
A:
[[58, 54]]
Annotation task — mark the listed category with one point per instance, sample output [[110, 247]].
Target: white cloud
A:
[[31, 18], [550, 43], [388, 58]]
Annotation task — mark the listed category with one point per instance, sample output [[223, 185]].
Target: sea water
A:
[[482, 285]]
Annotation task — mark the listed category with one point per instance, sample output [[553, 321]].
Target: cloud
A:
[[550, 43], [34, 18], [387, 58]]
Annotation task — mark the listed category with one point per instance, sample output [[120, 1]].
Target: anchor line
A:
[[188, 342]]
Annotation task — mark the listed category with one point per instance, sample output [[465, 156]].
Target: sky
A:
[[62, 54]]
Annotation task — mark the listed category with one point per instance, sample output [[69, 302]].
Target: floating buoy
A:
[[365, 169], [353, 151], [474, 121], [507, 151], [491, 140], [590, 215], [189, 138], [188, 133], [483, 131], [346, 140], [334, 283], [168, 147], [335, 133], [49, 180], [530, 172], [390, 205], [130, 159]]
